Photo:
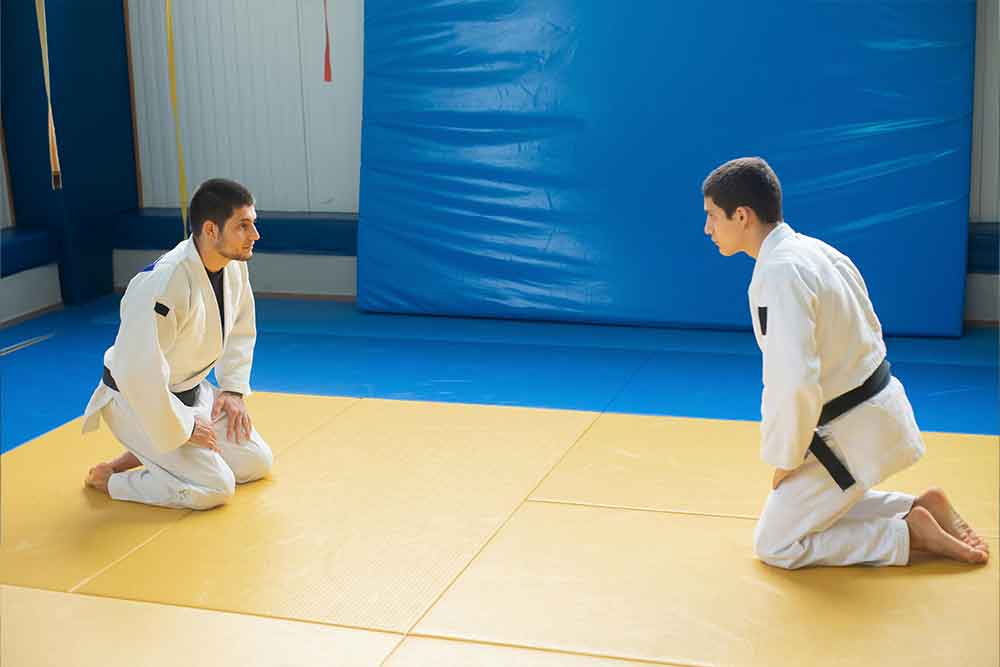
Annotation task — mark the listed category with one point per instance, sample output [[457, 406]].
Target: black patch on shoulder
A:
[[762, 318], [161, 309]]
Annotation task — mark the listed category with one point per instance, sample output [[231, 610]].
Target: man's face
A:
[[238, 235], [727, 233]]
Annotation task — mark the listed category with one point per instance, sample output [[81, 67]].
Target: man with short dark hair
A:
[[834, 422], [188, 312]]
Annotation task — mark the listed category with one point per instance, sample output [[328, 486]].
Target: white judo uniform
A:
[[820, 338], [169, 340]]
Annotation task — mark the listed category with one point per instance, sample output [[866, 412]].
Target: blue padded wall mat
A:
[[542, 159]]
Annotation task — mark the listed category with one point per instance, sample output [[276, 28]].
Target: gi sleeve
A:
[[232, 370], [148, 330], [792, 398]]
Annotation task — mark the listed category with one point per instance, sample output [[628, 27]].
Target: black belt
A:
[[188, 398], [838, 406]]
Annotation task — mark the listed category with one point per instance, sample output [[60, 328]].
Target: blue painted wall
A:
[[93, 117]]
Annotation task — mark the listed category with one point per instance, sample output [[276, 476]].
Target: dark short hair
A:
[[745, 181], [215, 200]]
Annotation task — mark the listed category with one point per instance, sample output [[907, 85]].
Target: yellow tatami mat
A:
[[410, 534], [638, 461], [423, 652], [45, 629], [55, 534], [364, 522], [687, 590], [713, 467], [284, 419]]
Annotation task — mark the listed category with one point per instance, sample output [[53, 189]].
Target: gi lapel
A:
[[212, 334], [230, 294]]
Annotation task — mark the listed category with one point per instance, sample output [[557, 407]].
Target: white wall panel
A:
[[982, 298], [6, 218], [333, 110], [247, 111], [28, 292], [984, 199], [155, 129]]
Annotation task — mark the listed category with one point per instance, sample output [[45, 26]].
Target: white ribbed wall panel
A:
[[333, 110], [154, 128], [252, 100], [984, 199], [29, 292]]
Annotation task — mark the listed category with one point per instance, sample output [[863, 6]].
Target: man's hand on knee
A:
[[203, 435], [238, 424]]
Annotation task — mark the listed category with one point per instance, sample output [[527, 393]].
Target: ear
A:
[[211, 230], [741, 215]]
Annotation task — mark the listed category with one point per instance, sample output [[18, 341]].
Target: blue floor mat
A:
[[330, 348]]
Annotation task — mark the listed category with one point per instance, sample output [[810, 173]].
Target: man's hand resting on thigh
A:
[[238, 423], [203, 435]]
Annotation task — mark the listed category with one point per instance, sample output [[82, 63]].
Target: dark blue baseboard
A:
[[281, 232], [984, 247], [26, 248], [308, 233]]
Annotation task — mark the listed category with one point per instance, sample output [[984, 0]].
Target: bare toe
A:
[[936, 502], [927, 535]]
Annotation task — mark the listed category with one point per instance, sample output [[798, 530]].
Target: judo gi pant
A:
[[187, 477], [809, 520]]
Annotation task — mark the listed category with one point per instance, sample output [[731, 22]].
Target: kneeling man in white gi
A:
[[834, 421], [189, 312]]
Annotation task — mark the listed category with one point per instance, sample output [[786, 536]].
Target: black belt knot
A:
[[875, 383], [188, 398]]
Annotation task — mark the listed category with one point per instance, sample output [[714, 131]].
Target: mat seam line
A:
[[119, 560], [558, 651], [354, 401], [268, 617], [87, 580], [651, 510], [522, 502], [218, 610], [490, 539]]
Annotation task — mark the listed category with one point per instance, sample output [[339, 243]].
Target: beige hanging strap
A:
[[53, 146], [181, 171]]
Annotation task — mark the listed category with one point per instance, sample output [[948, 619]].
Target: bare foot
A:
[[126, 461], [98, 477], [936, 502], [927, 535]]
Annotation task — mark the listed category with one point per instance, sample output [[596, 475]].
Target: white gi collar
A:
[[200, 274], [780, 232], [191, 251]]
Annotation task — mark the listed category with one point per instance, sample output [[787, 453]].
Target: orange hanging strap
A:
[[327, 69]]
